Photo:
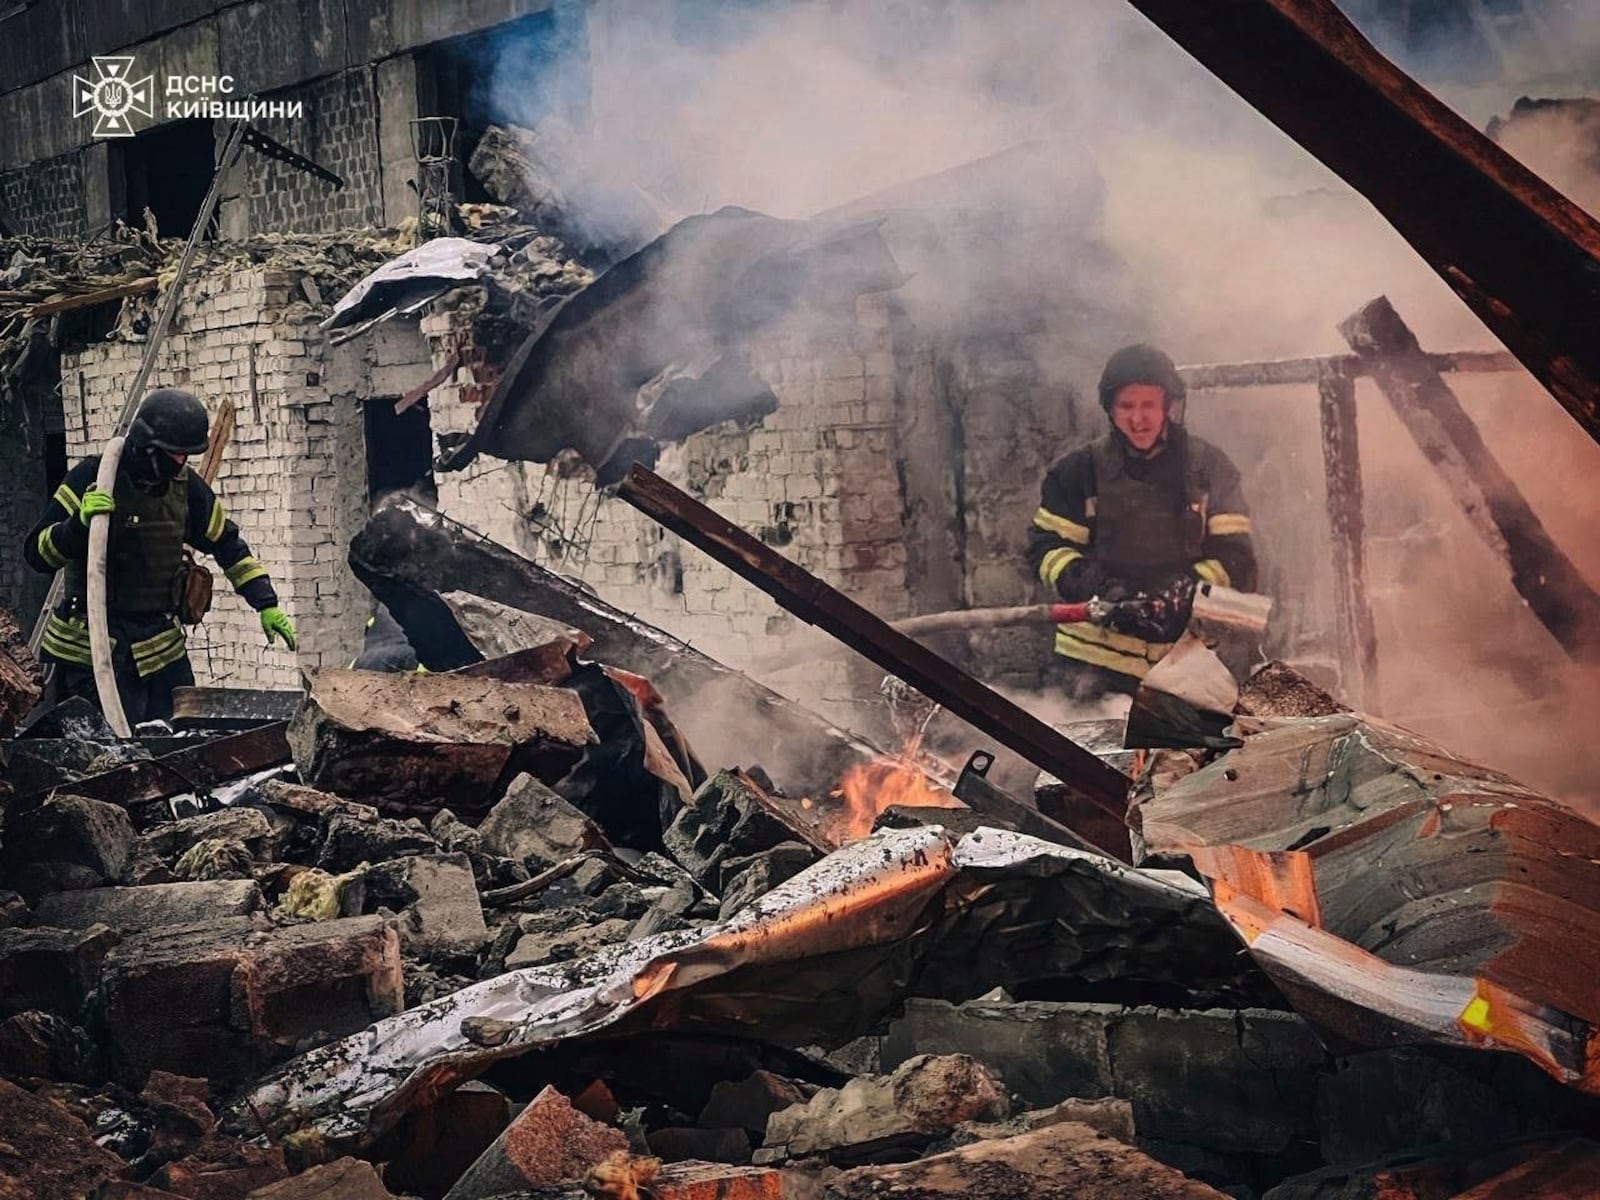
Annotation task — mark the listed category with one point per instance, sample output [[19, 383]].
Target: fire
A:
[[867, 789]]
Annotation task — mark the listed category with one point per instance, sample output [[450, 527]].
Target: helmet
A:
[[170, 420], [1140, 363]]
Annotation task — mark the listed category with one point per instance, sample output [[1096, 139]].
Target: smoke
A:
[[1150, 202]]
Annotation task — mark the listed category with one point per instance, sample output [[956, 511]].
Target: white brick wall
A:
[[293, 477]]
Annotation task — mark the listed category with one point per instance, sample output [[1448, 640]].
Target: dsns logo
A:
[[113, 95]]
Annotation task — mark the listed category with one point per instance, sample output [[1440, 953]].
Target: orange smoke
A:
[[867, 789]]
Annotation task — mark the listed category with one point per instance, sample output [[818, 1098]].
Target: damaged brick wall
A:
[[46, 198], [338, 130], [293, 477], [22, 465], [815, 479]]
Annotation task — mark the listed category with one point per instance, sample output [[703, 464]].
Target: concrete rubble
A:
[[501, 930]]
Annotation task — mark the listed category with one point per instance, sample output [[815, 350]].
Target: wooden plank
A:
[[416, 394], [814, 602], [66, 303], [1541, 572], [1524, 258], [1341, 461], [191, 770], [1281, 372]]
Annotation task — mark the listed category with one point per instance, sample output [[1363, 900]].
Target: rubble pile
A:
[[498, 929]]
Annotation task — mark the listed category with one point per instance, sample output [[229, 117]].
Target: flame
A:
[[867, 789]]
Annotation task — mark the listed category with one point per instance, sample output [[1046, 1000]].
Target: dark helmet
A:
[[170, 420], [1141, 363]]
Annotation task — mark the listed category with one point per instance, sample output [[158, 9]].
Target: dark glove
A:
[[1086, 579], [1158, 616]]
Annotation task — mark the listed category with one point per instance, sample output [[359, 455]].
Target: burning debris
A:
[[428, 897]]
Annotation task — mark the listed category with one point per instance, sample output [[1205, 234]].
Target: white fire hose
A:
[[105, 678]]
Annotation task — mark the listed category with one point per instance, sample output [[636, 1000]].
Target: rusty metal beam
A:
[[1541, 572], [1341, 461], [814, 602], [1278, 372], [1522, 256]]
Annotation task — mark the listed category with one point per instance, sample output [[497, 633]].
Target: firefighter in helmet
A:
[[1145, 510], [152, 587]]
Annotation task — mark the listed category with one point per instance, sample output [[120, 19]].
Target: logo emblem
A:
[[113, 95]]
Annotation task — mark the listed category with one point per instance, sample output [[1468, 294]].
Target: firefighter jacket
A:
[[144, 556], [1112, 523]]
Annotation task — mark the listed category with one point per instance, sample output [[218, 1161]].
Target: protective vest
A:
[[1145, 532], [143, 553]]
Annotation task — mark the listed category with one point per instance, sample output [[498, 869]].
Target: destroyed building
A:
[[645, 887]]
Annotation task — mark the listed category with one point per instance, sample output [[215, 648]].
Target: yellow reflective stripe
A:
[[1061, 526], [1090, 643], [1100, 656], [1224, 523], [68, 641], [1212, 571], [48, 551], [161, 650], [1057, 561], [243, 571], [68, 499], [214, 525]]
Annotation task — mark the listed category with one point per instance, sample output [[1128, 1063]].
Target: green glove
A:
[[274, 621], [94, 503]]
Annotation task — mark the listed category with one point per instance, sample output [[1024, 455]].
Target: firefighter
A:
[[157, 507], [1148, 509]]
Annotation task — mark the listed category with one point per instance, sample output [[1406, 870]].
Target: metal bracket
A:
[[265, 144]]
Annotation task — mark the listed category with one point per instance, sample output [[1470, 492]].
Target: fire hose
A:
[[1212, 606]]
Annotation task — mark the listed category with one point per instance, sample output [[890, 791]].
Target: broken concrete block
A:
[[437, 899], [729, 818], [747, 879], [225, 999], [431, 1146], [137, 909], [342, 1179], [749, 1102], [1063, 1161], [925, 1098], [52, 969], [182, 1113], [404, 741], [536, 827], [350, 839], [214, 859], [66, 829], [548, 1143], [46, 1153], [247, 825], [1233, 1082], [624, 1175], [223, 1173], [676, 1143], [1111, 1116], [37, 1044], [572, 940]]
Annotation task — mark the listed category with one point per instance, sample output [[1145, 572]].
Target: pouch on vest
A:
[[191, 591]]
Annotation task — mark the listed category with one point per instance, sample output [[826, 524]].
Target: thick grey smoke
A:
[[1234, 244]]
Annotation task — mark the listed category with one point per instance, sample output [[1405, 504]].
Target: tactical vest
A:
[[143, 552], [1147, 532]]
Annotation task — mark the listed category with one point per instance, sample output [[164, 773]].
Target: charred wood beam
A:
[[814, 602], [1278, 372], [192, 770], [1341, 461], [1521, 255], [1545, 577], [408, 554]]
